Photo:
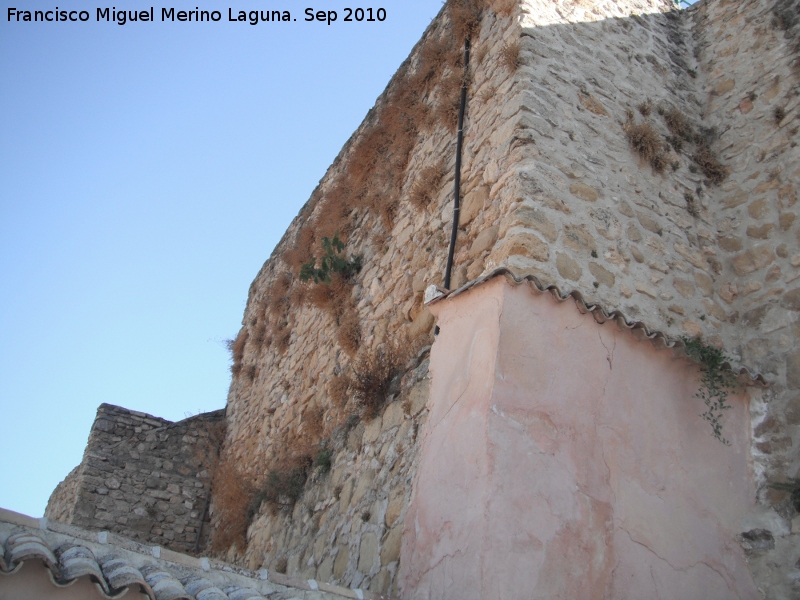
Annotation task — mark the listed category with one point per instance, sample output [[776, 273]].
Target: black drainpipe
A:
[[459, 143]]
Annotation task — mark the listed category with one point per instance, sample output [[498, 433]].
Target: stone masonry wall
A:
[[290, 351], [61, 504], [142, 477], [553, 189], [348, 525], [345, 528], [681, 253], [701, 241]]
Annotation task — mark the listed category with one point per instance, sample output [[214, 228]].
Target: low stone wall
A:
[[142, 477]]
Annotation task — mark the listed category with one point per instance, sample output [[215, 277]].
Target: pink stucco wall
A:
[[567, 459]]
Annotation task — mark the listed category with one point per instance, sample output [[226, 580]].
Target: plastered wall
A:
[[566, 459]]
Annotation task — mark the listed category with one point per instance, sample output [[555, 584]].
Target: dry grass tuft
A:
[[282, 487], [298, 295], [678, 124], [425, 188], [448, 100], [339, 390], [509, 56], [260, 332], [320, 295], [646, 142], [334, 213], [283, 337], [349, 332], [487, 94], [373, 375], [233, 496], [300, 252], [386, 208], [708, 163], [692, 205], [276, 298], [645, 108], [313, 421], [465, 16], [481, 53], [432, 56], [237, 347]]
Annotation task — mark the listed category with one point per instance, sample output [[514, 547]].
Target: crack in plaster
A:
[[725, 576], [609, 353], [469, 362], [435, 565]]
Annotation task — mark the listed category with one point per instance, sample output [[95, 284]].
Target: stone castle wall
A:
[[677, 251], [346, 526], [701, 242], [553, 189], [142, 477], [61, 505]]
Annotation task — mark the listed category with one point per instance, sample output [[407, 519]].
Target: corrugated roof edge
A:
[[601, 315], [163, 555]]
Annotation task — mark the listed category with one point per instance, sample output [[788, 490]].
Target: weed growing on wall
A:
[[646, 142], [716, 384], [323, 461], [233, 492], [710, 165], [282, 487], [426, 187], [331, 262], [374, 373], [510, 56], [236, 348]]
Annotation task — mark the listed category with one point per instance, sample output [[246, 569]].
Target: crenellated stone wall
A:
[[143, 477]]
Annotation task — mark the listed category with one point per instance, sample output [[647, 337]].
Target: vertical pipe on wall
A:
[[459, 142]]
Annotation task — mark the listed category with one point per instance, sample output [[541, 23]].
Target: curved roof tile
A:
[[120, 574], [117, 564], [27, 546], [165, 586], [235, 593], [203, 589], [77, 561]]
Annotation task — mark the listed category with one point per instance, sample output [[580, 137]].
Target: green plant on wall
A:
[[331, 263], [716, 384]]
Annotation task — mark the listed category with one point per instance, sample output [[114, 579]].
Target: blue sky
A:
[[146, 173]]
